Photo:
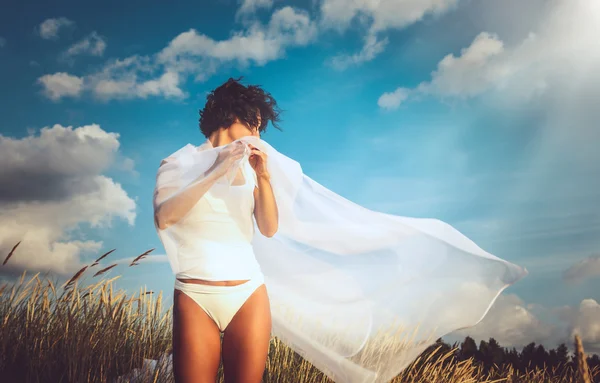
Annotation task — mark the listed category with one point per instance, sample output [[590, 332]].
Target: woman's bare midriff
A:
[[214, 283]]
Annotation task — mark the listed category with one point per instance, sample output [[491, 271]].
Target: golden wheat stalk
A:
[[104, 270], [133, 263], [582, 366], [101, 257], [75, 277], [11, 253]]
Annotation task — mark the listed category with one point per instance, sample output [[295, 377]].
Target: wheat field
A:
[[70, 333]]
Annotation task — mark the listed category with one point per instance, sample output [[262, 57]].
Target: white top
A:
[[216, 234]]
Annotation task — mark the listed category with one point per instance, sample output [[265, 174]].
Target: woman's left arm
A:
[[265, 206]]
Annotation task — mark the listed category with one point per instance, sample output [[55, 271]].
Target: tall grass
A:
[[68, 333]]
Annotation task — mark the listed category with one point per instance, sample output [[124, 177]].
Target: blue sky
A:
[[480, 113]]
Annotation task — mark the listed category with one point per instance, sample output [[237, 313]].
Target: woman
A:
[[225, 293], [356, 292]]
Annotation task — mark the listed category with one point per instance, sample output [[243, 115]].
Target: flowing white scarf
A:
[[358, 293]]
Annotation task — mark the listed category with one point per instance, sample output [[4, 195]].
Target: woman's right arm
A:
[[173, 209], [170, 209]]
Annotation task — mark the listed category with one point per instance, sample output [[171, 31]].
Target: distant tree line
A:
[[490, 353]]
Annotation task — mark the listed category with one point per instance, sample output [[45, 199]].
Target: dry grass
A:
[[94, 334]]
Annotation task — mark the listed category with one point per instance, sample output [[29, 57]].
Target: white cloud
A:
[[119, 79], [378, 16], [512, 324], [189, 47], [541, 62], [259, 44], [166, 85], [584, 269], [542, 82], [384, 14], [133, 78], [248, 7], [59, 85], [50, 28], [51, 184], [393, 99], [585, 322], [291, 27], [2, 41], [189, 53], [93, 45], [371, 48], [471, 73]]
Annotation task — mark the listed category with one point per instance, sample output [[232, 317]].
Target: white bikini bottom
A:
[[221, 303]]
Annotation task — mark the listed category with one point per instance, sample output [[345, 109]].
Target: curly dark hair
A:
[[231, 100]]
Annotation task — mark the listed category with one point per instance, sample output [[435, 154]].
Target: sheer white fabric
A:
[[358, 293]]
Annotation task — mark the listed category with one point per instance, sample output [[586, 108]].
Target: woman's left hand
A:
[[258, 161]]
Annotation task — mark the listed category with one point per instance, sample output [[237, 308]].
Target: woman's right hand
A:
[[229, 155]]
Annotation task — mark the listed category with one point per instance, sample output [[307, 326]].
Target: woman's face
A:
[[239, 129]]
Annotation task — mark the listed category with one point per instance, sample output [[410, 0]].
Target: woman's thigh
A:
[[246, 340], [196, 342]]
